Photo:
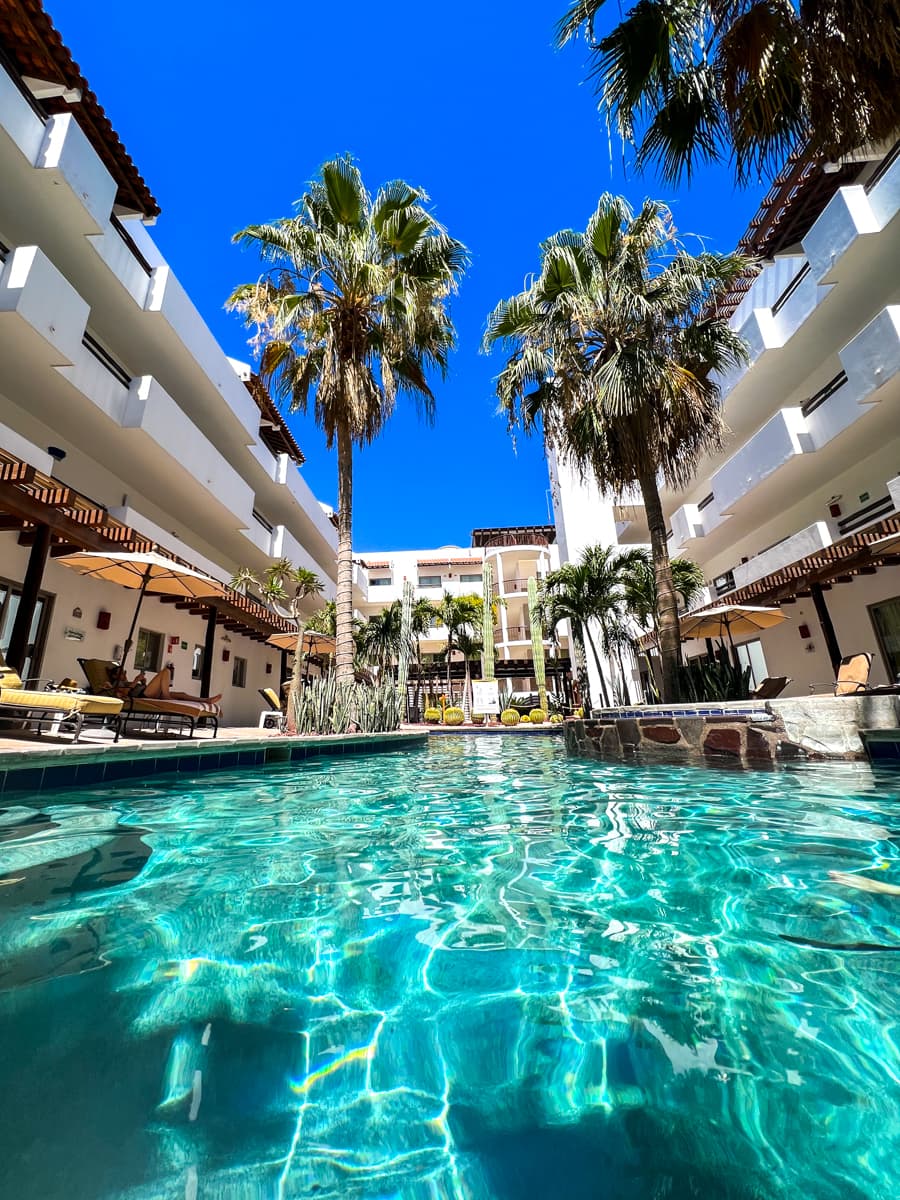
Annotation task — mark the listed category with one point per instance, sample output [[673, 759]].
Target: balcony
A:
[[20, 120], [782, 438], [511, 587], [39, 306], [285, 545], [124, 259], [72, 162], [687, 524], [813, 538], [846, 217]]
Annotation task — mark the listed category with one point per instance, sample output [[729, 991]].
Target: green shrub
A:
[[509, 716], [432, 716], [556, 718], [477, 718], [537, 716], [454, 716]]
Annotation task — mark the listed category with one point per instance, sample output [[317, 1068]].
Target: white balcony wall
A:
[[813, 538], [289, 477], [35, 291], [98, 385], [884, 198], [123, 264], [782, 438], [22, 448], [847, 215], [67, 152], [18, 120], [687, 524], [285, 545], [873, 356], [167, 297], [152, 410]]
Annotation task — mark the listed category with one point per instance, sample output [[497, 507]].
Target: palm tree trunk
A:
[[343, 653], [581, 671], [603, 691], [625, 688], [666, 600]]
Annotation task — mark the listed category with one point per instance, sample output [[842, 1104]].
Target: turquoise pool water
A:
[[479, 971]]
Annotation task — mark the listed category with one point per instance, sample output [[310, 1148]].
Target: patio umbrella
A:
[[726, 620], [149, 572], [313, 643]]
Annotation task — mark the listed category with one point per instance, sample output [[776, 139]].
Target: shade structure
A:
[[313, 643], [149, 572], [726, 620]]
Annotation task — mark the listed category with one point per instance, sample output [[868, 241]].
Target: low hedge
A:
[[454, 716], [509, 716]]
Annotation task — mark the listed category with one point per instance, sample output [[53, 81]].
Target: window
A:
[[750, 654], [197, 663], [886, 619], [148, 654], [37, 634], [239, 673], [380, 581], [470, 578], [426, 581]]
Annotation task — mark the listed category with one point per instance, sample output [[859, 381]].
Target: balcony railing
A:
[[519, 584], [790, 289], [518, 633], [131, 244], [106, 360]]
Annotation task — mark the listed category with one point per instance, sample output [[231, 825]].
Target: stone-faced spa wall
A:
[[821, 727]]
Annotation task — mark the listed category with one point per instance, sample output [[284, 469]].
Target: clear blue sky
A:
[[228, 108]]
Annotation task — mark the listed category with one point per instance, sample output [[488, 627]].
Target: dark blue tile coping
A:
[[57, 775]]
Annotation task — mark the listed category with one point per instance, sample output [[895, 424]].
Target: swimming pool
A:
[[476, 971]]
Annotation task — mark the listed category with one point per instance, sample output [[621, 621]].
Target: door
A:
[[10, 594]]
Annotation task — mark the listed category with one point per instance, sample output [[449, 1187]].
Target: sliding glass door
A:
[[10, 594]]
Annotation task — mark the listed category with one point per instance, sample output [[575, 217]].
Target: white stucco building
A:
[[799, 506], [515, 553], [121, 418]]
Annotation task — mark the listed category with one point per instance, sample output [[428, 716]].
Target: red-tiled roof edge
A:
[[270, 410], [21, 18]]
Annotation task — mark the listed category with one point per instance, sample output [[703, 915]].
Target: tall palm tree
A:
[[283, 585], [704, 80], [459, 615], [613, 347], [641, 600], [423, 617], [583, 592], [352, 311]]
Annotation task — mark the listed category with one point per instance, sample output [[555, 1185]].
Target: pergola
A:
[[54, 520]]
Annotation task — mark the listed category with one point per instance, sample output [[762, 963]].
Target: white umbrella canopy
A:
[[729, 619], [313, 643], [150, 572], [726, 620]]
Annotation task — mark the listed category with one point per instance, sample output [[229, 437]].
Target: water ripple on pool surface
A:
[[477, 971]]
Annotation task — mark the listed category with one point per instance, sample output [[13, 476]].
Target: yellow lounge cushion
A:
[[179, 708], [60, 701]]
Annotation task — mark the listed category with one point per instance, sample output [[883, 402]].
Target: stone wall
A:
[[824, 727]]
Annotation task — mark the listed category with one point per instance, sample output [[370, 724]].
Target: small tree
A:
[[287, 586]]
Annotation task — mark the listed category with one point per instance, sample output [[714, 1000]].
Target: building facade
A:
[[801, 506], [515, 554], [122, 422]]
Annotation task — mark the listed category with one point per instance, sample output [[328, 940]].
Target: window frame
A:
[[430, 581], [197, 657], [238, 677], [891, 659], [139, 663]]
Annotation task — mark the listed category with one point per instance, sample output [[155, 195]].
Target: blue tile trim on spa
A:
[[54, 775]]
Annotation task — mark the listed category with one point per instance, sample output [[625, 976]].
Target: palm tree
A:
[[423, 617], [283, 585], [470, 646], [639, 583], [613, 348], [351, 311], [459, 615], [576, 592], [324, 620], [704, 80], [379, 637]]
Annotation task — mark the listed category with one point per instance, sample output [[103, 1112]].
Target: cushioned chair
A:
[[99, 673], [771, 686], [852, 676], [18, 703]]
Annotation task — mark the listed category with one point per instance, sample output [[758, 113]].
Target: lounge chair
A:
[[274, 716], [771, 686], [18, 703], [141, 709], [853, 675]]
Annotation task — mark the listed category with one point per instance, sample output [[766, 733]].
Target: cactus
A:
[[537, 716], [477, 718], [487, 620], [509, 716], [537, 642], [432, 716], [454, 716], [556, 718], [406, 641]]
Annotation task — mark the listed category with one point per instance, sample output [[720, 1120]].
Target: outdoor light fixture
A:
[[103, 619], [56, 452]]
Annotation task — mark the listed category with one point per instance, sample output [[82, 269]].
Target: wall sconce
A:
[[103, 619], [226, 655], [268, 668], [803, 630], [76, 613]]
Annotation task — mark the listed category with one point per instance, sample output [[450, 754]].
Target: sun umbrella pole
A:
[[130, 639]]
